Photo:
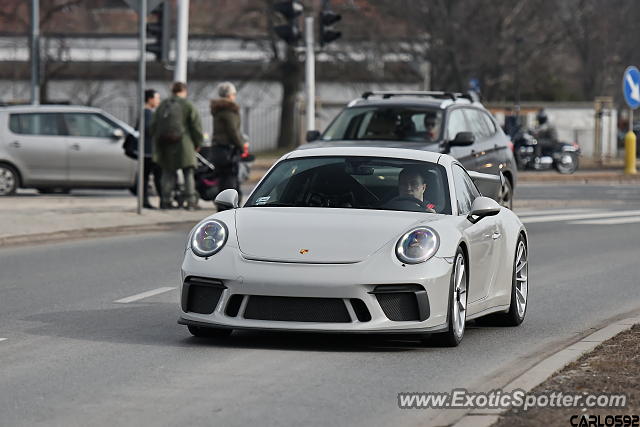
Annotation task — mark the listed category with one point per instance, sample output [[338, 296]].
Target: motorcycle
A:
[[561, 156]]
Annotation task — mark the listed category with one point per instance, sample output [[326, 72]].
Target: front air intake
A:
[[201, 295], [297, 309], [403, 303]]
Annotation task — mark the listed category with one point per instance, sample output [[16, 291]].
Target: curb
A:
[[545, 368], [84, 233]]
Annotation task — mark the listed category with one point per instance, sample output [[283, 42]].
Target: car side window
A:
[[489, 122], [471, 186], [463, 194], [87, 125], [456, 124], [35, 124], [477, 123]]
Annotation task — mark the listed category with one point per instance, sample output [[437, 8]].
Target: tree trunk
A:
[[290, 77]]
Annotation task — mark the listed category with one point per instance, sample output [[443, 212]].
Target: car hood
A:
[[319, 235]]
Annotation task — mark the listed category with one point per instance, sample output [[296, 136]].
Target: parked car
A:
[[450, 123], [55, 147], [359, 239]]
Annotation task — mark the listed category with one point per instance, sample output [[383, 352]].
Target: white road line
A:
[[608, 221], [144, 295], [2, 339], [541, 212], [552, 218]]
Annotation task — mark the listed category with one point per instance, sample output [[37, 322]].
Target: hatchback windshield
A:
[[355, 183], [386, 123]]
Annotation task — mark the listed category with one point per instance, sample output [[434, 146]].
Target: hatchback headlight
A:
[[208, 238], [417, 245]]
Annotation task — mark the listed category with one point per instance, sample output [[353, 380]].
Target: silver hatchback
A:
[[54, 147]]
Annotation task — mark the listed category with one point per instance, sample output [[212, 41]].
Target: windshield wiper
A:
[[274, 204]]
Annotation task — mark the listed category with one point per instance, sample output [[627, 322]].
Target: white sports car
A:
[[357, 239]]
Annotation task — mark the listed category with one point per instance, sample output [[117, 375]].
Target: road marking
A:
[[144, 295], [608, 221], [552, 218], [2, 339]]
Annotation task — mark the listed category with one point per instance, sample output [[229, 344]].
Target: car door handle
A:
[[15, 144], [75, 147], [495, 235]]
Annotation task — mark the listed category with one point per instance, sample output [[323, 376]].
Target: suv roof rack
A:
[[430, 94]]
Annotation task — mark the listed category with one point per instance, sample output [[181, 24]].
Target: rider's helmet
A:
[[541, 117]]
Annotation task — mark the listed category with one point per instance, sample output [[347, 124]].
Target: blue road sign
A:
[[631, 87]]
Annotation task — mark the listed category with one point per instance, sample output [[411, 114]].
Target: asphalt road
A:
[[73, 356]]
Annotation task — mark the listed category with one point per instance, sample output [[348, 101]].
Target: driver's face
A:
[[411, 185]]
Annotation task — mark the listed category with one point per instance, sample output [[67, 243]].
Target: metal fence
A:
[[261, 123]]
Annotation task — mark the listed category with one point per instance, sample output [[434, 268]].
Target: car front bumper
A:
[[229, 291]]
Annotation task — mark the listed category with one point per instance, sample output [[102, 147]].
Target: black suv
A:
[[445, 122]]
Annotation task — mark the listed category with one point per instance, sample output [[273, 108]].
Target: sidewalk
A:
[[612, 367], [31, 218]]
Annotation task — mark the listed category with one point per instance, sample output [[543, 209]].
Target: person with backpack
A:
[[177, 135]]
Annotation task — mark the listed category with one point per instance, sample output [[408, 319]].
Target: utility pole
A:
[[519, 41], [182, 41], [310, 74], [142, 21], [35, 52]]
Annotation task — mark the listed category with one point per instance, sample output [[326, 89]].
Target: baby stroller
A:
[[207, 175]]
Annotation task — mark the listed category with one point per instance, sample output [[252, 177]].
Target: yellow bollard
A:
[[630, 153]]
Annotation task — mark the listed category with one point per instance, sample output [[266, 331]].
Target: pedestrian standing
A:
[[227, 141], [151, 102], [177, 135]]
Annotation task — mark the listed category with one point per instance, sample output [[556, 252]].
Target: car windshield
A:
[[414, 124], [355, 183]]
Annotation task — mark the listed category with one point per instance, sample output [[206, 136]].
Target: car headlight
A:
[[208, 238], [417, 245]]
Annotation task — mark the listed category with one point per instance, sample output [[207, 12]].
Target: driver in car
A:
[[411, 188], [431, 126]]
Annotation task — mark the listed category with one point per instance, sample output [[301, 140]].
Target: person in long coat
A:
[[180, 154], [227, 137]]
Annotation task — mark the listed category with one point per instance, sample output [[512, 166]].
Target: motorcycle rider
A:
[[545, 133]]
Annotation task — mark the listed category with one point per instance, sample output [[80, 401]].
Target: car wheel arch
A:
[[465, 252], [15, 169]]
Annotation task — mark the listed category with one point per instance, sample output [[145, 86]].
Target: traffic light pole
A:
[[142, 20], [35, 52], [310, 74], [182, 39]]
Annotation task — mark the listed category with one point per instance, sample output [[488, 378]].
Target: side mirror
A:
[[117, 133], [481, 207], [463, 139], [313, 135], [227, 199]]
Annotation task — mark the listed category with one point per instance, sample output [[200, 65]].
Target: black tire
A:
[[203, 332], [514, 316], [451, 338], [506, 195], [9, 180], [567, 168]]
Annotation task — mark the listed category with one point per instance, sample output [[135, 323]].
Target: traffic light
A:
[[159, 32], [327, 19], [289, 12]]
